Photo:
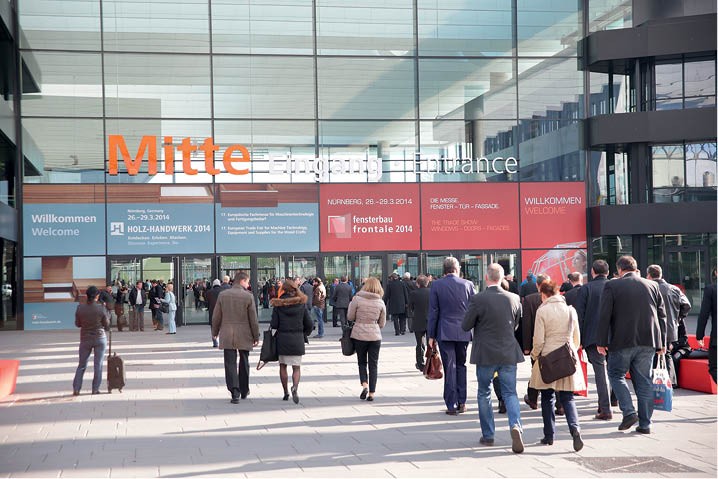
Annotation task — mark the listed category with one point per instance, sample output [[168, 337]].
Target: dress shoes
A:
[[548, 441], [452, 412], [603, 416], [234, 400], [531, 404], [486, 442], [643, 430], [462, 408], [628, 421], [560, 411], [502, 407], [614, 402]]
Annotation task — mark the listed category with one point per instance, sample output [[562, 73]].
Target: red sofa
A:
[[693, 373]]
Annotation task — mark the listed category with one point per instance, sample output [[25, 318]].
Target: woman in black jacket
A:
[[93, 319], [291, 319]]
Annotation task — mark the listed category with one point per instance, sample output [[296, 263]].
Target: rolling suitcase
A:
[[115, 370]]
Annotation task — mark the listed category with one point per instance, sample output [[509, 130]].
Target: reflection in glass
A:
[[261, 26], [611, 247], [157, 86], [8, 319], [71, 86], [365, 27], [609, 14], [66, 25], [464, 27], [550, 89], [701, 165], [366, 88], [263, 87], [152, 26], [550, 151], [467, 89], [548, 27]]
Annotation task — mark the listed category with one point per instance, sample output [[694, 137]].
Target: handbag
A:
[[662, 387], [346, 340], [432, 365], [583, 360], [268, 353], [165, 307], [559, 363]]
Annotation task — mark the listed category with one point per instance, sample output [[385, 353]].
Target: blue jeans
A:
[[507, 380], [549, 416], [99, 344], [319, 312], [639, 361]]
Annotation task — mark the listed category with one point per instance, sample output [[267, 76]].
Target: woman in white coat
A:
[[556, 325], [171, 300]]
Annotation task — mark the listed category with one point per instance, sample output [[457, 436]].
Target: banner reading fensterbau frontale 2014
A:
[[63, 229]]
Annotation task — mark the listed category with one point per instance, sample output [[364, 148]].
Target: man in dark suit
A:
[[571, 294], [396, 298], [341, 297], [529, 305], [587, 307], [708, 308], [448, 301], [494, 315], [137, 300], [212, 295], [632, 327], [419, 308], [513, 287]]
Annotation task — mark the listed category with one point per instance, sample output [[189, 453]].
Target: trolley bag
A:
[[115, 370]]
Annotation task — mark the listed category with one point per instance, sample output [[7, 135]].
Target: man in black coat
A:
[[156, 293], [632, 327], [410, 286], [530, 286], [494, 315], [708, 308], [587, 306], [211, 295], [341, 297], [419, 308], [572, 293], [396, 297]]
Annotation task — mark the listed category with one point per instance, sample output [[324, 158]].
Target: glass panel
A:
[[464, 27], [133, 131], [701, 171], [231, 265], [368, 151], [270, 275], [685, 270], [550, 89], [66, 25], [256, 87], [63, 150], [7, 172], [669, 82], [550, 151], [366, 88], [157, 86], [466, 140], [548, 27], [402, 263], [365, 266], [126, 271], [472, 268], [700, 78], [8, 319], [435, 265], [609, 14], [151, 26], [610, 248], [71, 85], [668, 173], [197, 279], [262, 26], [467, 89], [508, 261], [270, 144], [335, 266], [302, 266], [365, 27]]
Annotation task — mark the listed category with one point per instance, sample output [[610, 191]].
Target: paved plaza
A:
[[174, 419]]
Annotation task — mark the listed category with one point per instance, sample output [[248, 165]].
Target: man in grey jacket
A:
[[234, 320], [341, 298], [494, 315]]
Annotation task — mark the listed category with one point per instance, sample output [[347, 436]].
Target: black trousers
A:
[[420, 347], [712, 360], [341, 316], [236, 376], [399, 323], [368, 353]]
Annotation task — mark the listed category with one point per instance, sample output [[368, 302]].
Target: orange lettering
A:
[[209, 148], [187, 148], [148, 143], [227, 160], [169, 156]]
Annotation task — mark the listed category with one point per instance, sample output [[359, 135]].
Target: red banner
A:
[[552, 214], [376, 217], [469, 216]]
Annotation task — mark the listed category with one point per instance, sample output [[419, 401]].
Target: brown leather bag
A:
[[432, 367]]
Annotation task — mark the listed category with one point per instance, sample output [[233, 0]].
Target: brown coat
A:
[[552, 330], [234, 319]]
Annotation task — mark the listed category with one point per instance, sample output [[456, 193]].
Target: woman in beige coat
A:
[[368, 312], [556, 325]]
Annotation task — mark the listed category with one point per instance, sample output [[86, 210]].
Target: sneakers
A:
[[517, 441], [577, 441]]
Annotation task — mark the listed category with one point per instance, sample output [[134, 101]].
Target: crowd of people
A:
[[623, 325]]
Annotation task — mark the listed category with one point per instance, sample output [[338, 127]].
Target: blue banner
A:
[[63, 229], [287, 228], [59, 315], [166, 229]]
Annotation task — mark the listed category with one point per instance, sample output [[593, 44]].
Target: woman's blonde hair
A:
[[372, 285]]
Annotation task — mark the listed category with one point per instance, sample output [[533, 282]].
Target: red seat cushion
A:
[[693, 375], [8, 376], [693, 342]]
